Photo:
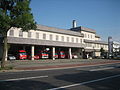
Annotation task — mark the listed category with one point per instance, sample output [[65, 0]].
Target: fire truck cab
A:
[[22, 55], [61, 54], [43, 55]]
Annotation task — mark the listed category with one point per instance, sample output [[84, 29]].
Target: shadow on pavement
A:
[[83, 76], [25, 85]]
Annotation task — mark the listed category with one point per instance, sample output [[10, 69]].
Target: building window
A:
[[57, 37], [98, 45], [67, 39], [44, 36], [88, 35], [76, 40], [95, 45], [62, 38], [85, 35], [72, 39], [29, 34], [20, 34], [105, 46], [51, 37], [80, 40], [86, 45], [11, 33], [91, 36], [37, 35]]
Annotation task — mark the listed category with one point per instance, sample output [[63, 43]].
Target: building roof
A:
[[57, 30], [81, 28], [97, 36], [95, 41]]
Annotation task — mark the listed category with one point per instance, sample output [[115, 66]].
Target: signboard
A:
[[110, 46]]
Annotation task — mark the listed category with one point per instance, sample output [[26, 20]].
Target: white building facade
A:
[[77, 40]]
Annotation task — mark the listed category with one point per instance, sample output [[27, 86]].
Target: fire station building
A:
[[80, 41]]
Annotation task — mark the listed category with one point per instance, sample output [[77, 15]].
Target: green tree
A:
[[102, 52], [14, 13]]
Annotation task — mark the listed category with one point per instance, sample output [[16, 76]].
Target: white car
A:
[[74, 56], [11, 57]]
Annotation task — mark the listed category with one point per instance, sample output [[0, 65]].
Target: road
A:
[[102, 77]]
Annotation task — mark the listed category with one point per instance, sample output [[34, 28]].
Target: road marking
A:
[[22, 78], [102, 69], [83, 83]]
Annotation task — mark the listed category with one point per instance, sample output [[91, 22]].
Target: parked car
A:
[[11, 57], [74, 56], [118, 56]]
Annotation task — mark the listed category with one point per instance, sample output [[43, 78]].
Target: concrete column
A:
[[70, 53], [6, 55], [32, 52], [53, 53]]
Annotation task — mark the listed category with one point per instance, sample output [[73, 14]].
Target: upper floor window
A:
[[20, 34], [76, 40], [67, 39], [98, 45], [95, 45], [44, 36], [51, 37], [57, 38], [85, 35], [91, 36], [80, 40], [11, 33], [72, 39], [88, 35], [37, 35], [29, 34], [62, 38]]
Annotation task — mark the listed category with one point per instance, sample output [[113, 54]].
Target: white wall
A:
[[88, 35], [33, 35]]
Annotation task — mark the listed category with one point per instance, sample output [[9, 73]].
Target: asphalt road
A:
[[103, 77]]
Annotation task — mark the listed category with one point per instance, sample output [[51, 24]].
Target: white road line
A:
[[99, 69], [87, 82], [22, 78]]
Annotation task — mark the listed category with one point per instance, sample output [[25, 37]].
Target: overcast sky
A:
[[101, 15]]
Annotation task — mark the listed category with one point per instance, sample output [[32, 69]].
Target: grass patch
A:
[[7, 68]]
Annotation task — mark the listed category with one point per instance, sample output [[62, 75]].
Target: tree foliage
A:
[[14, 13], [102, 51]]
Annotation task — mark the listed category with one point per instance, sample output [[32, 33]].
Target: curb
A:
[[65, 66]]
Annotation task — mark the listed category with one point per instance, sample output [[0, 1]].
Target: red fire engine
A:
[[22, 55], [61, 54]]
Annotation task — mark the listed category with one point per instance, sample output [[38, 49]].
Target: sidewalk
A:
[[58, 63]]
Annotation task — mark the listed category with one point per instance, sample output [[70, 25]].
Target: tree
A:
[[14, 13], [102, 52]]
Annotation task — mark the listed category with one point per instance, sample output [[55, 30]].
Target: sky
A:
[[100, 15]]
